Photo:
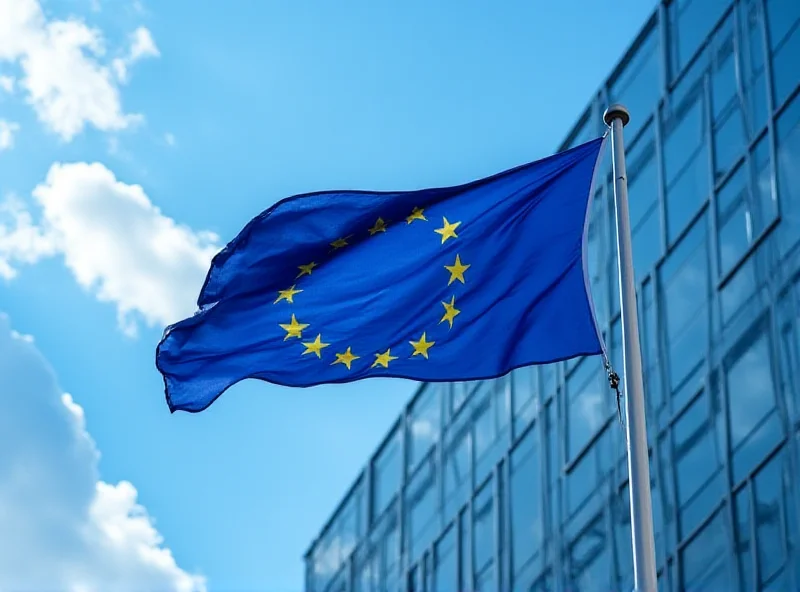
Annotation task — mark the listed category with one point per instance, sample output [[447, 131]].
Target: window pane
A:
[[783, 18], [745, 207], [644, 211], [376, 566], [685, 161], [649, 343], [744, 554], [526, 400], [483, 528], [527, 528], [690, 21], [698, 461], [552, 437], [772, 487], [367, 573], [754, 79], [588, 403], [723, 72], [339, 539], [387, 473], [734, 220], [489, 423], [446, 571], [543, 583], [685, 280], [465, 553], [729, 141], [642, 176], [589, 474], [765, 202], [457, 455], [590, 559], [458, 395], [666, 477], [705, 559], [751, 402], [424, 423], [485, 425], [788, 131], [728, 123], [790, 349], [646, 243], [421, 509], [485, 579]]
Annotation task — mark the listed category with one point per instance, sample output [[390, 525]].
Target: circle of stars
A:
[[294, 328]]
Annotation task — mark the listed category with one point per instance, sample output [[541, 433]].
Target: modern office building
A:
[[521, 483]]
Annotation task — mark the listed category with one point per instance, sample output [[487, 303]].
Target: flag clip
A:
[[613, 382]]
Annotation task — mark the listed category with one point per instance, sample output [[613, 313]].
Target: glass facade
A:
[[521, 483]]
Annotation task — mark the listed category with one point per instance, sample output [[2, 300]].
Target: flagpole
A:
[[644, 558]]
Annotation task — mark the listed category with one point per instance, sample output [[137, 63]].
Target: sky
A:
[[136, 139]]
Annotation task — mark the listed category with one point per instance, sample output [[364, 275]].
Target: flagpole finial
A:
[[616, 111]]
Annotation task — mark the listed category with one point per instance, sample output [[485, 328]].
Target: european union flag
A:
[[450, 284]]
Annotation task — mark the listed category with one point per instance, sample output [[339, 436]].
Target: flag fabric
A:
[[449, 284]]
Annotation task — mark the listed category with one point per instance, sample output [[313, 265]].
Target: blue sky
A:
[[135, 140]]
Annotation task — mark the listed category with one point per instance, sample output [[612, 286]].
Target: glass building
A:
[[521, 483]]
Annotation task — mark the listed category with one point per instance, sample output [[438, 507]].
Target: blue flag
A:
[[450, 284]]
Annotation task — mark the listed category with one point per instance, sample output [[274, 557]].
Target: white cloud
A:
[[71, 531], [7, 84], [141, 46], [7, 131], [21, 240], [115, 242], [169, 138], [64, 77]]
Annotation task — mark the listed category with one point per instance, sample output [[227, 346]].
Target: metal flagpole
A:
[[644, 557]]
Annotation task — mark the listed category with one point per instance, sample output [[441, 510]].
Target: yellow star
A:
[[450, 311], [448, 230], [416, 214], [383, 359], [421, 347], [306, 269], [456, 270], [340, 242], [380, 226], [346, 358], [287, 295], [315, 347], [293, 329]]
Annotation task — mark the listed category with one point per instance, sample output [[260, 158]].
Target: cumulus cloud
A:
[[7, 84], [21, 240], [71, 531], [7, 131], [116, 243], [63, 73], [141, 46]]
